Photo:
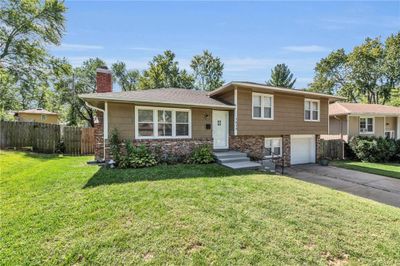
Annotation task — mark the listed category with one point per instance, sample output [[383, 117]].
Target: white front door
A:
[[302, 149], [220, 129]]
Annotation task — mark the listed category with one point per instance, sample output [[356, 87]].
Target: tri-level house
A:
[[256, 119]]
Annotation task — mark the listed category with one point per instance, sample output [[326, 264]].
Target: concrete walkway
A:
[[375, 187]]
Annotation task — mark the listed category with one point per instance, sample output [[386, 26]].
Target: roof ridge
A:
[[345, 109]]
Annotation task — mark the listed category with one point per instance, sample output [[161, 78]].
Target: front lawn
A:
[[59, 210], [386, 169]]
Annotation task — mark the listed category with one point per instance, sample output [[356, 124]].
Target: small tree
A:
[[281, 77]]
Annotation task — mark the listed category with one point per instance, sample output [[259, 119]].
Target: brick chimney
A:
[[103, 84], [103, 80]]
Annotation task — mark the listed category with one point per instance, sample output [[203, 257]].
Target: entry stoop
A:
[[235, 160]]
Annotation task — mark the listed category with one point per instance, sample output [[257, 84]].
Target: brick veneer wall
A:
[[98, 135], [180, 149], [318, 147], [254, 146]]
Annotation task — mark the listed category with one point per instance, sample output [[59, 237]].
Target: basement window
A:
[[273, 147]]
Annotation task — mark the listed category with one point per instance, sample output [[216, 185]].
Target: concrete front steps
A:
[[235, 160]]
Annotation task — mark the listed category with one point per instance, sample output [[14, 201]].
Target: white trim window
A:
[[162, 123], [311, 110], [43, 117], [262, 106], [273, 146], [367, 125]]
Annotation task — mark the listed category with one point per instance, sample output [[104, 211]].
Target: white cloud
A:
[[306, 48], [76, 47]]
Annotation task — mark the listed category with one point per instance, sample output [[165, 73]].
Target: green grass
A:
[[385, 169], [59, 210]]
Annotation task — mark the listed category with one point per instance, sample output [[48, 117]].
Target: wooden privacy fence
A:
[[46, 138], [332, 149], [78, 141]]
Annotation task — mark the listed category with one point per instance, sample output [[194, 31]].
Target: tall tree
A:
[[281, 77], [369, 73], [27, 27], [208, 71], [332, 76], [72, 82], [127, 79], [163, 72]]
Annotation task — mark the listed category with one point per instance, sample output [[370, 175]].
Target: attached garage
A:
[[302, 149]]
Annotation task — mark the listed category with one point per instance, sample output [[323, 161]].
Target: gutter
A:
[[104, 142]]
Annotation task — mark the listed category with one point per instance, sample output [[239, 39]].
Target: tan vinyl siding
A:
[[338, 125], [391, 123], [200, 118], [122, 117], [229, 98], [379, 126], [288, 116], [49, 118], [354, 127]]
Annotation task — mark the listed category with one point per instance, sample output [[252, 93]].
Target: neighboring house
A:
[[37, 115], [347, 120], [254, 118]]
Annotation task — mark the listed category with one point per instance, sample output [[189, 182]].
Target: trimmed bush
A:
[[137, 157], [115, 143], [201, 155], [373, 149]]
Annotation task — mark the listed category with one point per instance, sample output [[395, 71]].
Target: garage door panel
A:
[[302, 149]]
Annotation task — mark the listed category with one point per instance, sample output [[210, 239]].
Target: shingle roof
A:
[[172, 96], [36, 111], [362, 109], [230, 85]]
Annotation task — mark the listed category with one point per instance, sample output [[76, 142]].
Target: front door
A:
[[220, 129]]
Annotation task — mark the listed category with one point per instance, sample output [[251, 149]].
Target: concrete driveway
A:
[[375, 187]]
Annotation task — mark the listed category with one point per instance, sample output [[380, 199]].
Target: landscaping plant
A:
[[137, 156], [115, 143], [201, 155], [374, 149]]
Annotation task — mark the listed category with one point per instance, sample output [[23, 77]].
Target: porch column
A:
[[398, 127]]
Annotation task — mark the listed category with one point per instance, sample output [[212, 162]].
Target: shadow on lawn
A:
[[162, 172]]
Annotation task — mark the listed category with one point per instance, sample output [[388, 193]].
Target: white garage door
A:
[[302, 149]]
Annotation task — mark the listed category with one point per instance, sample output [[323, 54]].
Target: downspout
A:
[[103, 111]]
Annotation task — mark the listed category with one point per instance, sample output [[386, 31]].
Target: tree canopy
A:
[[27, 28], [281, 77], [208, 71], [369, 73], [164, 72]]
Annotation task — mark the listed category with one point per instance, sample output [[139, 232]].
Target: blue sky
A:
[[249, 37]]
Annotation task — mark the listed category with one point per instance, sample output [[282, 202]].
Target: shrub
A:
[[373, 149], [115, 146], [201, 155], [60, 147], [137, 157]]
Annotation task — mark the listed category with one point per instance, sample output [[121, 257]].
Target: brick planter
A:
[[168, 150]]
